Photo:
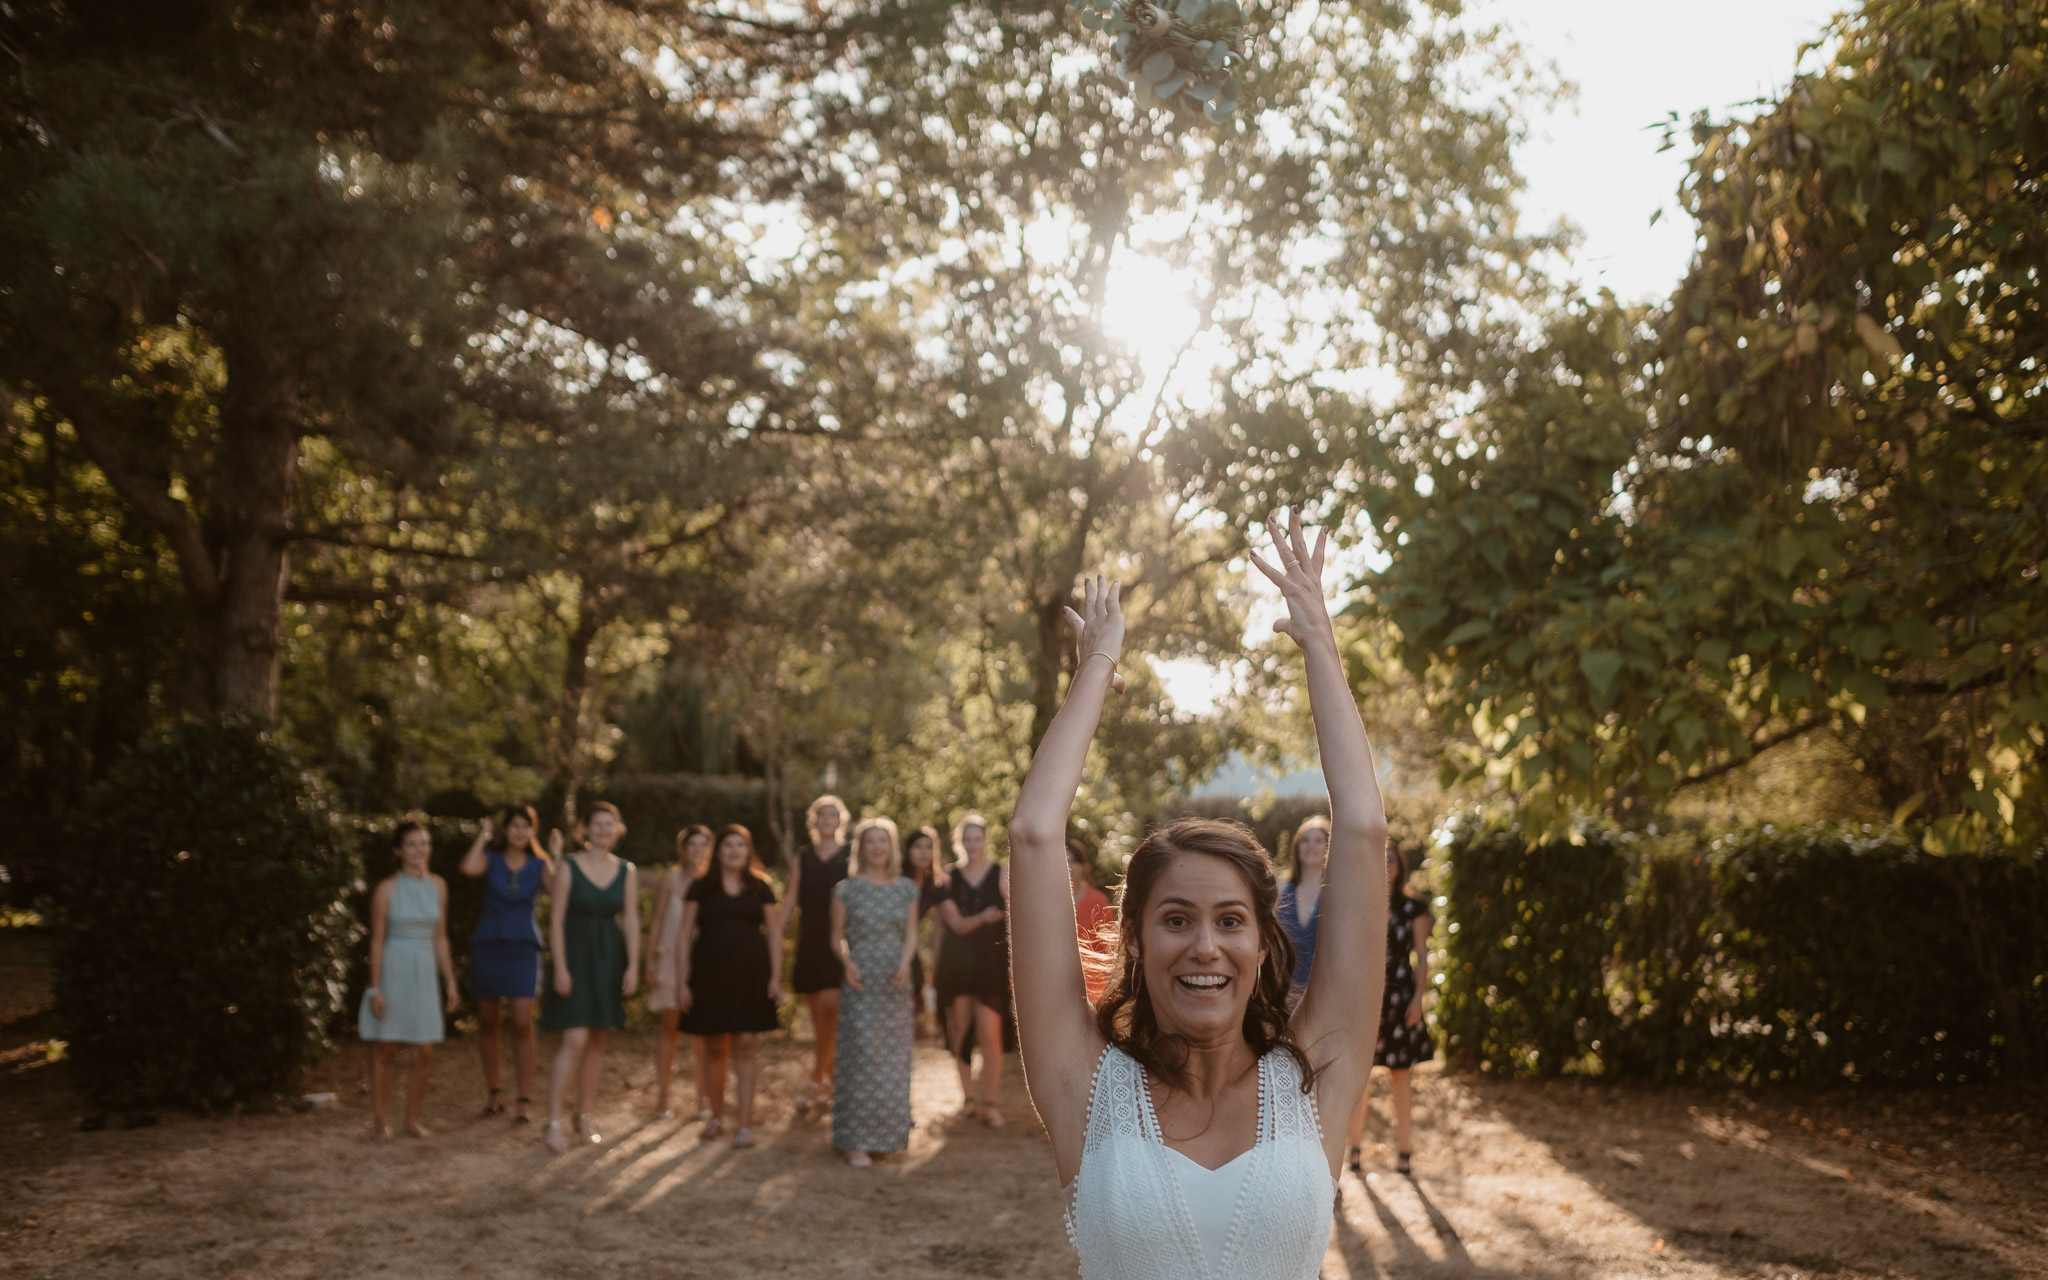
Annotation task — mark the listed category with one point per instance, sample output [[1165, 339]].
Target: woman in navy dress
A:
[[1404, 1037], [504, 948], [1301, 898]]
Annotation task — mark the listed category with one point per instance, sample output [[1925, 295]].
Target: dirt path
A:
[[1559, 1180]]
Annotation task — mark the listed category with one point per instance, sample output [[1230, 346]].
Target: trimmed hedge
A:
[[203, 930], [1770, 955], [657, 805]]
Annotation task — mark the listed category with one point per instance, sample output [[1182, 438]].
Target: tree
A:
[[1802, 496], [230, 232]]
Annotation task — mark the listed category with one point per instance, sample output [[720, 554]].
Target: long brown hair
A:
[[1126, 1017], [933, 873], [754, 867]]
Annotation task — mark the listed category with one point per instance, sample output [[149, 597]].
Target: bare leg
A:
[[824, 1006], [523, 1049], [381, 1054], [700, 1068], [717, 1049], [1404, 1109], [988, 1024], [959, 1033], [665, 1057], [593, 1072], [416, 1095], [490, 1015], [743, 1047], [1354, 1132], [566, 1058]]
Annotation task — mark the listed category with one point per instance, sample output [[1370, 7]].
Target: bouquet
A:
[[1193, 49]]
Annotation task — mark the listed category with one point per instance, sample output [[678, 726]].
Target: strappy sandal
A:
[[553, 1136], [991, 1115], [493, 1107], [1354, 1160], [1401, 1165], [807, 1098], [742, 1138], [522, 1117], [713, 1127]]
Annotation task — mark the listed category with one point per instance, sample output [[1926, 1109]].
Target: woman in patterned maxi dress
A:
[[874, 934]]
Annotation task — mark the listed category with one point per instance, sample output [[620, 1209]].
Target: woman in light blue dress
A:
[[408, 950], [874, 934]]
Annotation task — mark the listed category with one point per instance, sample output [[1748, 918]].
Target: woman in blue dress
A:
[[504, 949], [1301, 897], [408, 948]]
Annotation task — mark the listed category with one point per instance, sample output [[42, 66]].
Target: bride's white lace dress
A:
[[1139, 1210]]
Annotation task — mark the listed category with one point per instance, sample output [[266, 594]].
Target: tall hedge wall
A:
[[1776, 955]]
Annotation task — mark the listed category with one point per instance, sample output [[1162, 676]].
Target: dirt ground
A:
[[1512, 1179]]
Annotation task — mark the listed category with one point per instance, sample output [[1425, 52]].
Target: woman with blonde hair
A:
[[972, 971], [1185, 1110], [818, 869], [594, 933], [874, 933], [664, 966], [1301, 896]]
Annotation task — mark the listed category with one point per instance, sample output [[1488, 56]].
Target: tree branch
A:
[[170, 516], [1757, 748]]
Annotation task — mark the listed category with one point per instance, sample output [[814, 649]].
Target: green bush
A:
[[1770, 955], [1522, 951], [203, 927]]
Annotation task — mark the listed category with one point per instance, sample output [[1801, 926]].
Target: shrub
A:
[[203, 929], [1806, 955]]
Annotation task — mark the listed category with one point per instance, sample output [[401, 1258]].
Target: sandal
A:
[[553, 1136], [991, 1115], [522, 1117], [743, 1138], [1401, 1165], [807, 1098], [713, 1127], [1354, 1160], [493, 1107], [584, 1132]]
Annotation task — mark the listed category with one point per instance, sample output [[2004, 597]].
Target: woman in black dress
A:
[[731, 974], [972, 968], [1404, 1038], [819, 867], [921, 864]]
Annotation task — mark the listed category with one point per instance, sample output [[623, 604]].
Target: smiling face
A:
[[826, 820], [695, 850], [1312, 849], [974, 840], [413, 852], [518, 833], [918, 854], [601, 830], [732, 854], [874, 850], [1199, 948]]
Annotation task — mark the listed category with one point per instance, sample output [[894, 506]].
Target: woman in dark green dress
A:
[[594, 932]]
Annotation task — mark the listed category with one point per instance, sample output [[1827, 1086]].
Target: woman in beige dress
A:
[[664, 961]]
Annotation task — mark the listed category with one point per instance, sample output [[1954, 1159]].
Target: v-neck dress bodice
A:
[[1140, 1210]]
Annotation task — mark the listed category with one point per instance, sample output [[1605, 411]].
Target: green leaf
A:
[[1601, 666], [1866, 688], [1712, 654], [1471, 629]]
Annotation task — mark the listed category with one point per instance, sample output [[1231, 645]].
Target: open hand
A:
[[853, 976], [454, 998], [901, 978], [562, 983], [377, 1007], [1415, 1011], [684, 999], [1099, 627], [630, 983], [1299, 577], [775, 990]]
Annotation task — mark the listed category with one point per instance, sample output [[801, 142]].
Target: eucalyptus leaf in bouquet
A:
[[1190, 49]]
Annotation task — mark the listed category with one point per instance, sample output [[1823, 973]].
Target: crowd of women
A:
[[714, 959]]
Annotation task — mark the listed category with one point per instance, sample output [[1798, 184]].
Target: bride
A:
[[1186, 1111]]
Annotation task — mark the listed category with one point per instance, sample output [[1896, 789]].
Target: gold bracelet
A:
[[1097, 653]]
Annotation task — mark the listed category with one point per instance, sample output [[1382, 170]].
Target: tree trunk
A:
[[565, 756], [239, 641], [1048, 663]]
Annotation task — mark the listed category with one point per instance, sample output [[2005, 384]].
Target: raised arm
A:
[[1055, 1023], [1338, 1021], [474, 863]]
